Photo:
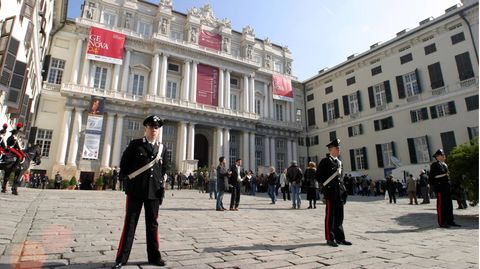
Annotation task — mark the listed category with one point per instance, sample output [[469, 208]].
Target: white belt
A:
[[442, 175], [331, 177], [148, 165]]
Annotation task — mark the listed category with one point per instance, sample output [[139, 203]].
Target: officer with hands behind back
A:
[[143, 165]]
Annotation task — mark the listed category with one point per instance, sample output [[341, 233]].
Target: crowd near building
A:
[[87, 84]]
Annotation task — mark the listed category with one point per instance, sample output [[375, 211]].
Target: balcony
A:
[[439, 91], [331, 122], [413, 98], [381, 108], [468, 82], [286, 124], [354, 115]]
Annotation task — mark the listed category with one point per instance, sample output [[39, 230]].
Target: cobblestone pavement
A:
[[81, 229]]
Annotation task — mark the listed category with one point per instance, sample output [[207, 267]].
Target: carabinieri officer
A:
[[329, 175], [143, 165]]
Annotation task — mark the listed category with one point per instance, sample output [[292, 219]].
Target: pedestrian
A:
[[212, 182], [391, 186], [423, 181], [459, 194], [294, 177], [222, 180], [329, 174], [44, 181], [58, 180], [412, 189], [439, 180], [201, 182], [284, 186], [144, 164], [236, 175], [272, 181], [253, 182], [114, 178], [312, 185]]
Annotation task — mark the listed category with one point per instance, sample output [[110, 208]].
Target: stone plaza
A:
[[81, 229]]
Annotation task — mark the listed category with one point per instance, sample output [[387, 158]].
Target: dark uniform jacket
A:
[[294, 174], [335, 189], [12, 142], [440, 184], [149, 184], [233, 180]]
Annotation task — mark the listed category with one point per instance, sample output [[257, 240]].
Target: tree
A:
[[463, 167]]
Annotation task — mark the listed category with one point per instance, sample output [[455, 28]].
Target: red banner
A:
[[282, 88], [105, 46], [207, 85], [210, 40]]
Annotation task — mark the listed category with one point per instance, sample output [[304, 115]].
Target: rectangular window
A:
[[133, 125], [332, 135], [44, 139], [258, 106], [173, 67], [233, 156], [419, 114], [128, 20], [359, 159], [233, 102], [353, 103], [464, 66], [350, 81], [328, 89], [144, 28], [472, 132], [27, 9], [311, 116], [406, 58], [410, 84], [443, 110], [279, 112], [258, 150], [380, 95], [384, 154], [418, 149], [172, 89], [436, 77], [234, 82], [310, 97], [109, 19], [448, 141], [280, 161], [100, 78], [355, 130], [383, 124], [330, 111], [278, 67], [430, 49], [472, 102], [138, 84], [56, 71], [457, 38], [170, 146], [301, 141], [376, 70]]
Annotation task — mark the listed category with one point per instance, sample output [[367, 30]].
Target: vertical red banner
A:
[[210, 40], [207, 85]]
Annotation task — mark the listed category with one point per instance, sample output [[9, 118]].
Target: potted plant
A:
[[99, 183], [64, 184], [72, 184]]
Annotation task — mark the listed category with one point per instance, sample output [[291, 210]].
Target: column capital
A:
[[165, 54], [187, 61], [69, 108], [119, 115]]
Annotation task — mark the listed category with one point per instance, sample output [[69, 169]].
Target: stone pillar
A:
[[75, 137], [295, 150], [126, 72], [226, 146], [193, 89], [293, 111], [289, 158], [107, 142], [266, 153], [245, 94], [116, 77], [287, 109], [252, 94], [186, 81], [117, 143], [246, 149], [273, 158], [163, 76], [253, 164], [266, 108], [271, 103], [86, 72], [181, 143], [64, 133], [220, 143], [227, 89], [221, 83], [154, 76], [76, 63], [191, 141]]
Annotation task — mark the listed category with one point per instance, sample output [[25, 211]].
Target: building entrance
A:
[[86, 180], [201, 150]]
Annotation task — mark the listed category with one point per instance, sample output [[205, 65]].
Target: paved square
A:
[[81, 229]]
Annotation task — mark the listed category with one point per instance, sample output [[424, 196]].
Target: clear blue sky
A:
[[319, 33]]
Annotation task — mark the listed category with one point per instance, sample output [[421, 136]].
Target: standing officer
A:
[[329, 175], [440, 182], [143, 165], [236, 174]]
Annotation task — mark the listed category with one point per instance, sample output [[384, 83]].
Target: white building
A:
[[403, 98], [159, 74]]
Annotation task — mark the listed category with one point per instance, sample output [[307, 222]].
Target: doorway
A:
[[201, 150], [86, 180]]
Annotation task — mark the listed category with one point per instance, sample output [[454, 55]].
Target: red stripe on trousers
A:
[[327, 217], [439, 208], [123, 230]]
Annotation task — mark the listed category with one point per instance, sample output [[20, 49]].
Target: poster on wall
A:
[[94, 123], [282, 88], [210, 40], [207, 85], [97, 105], [105, 46], [91, 146]]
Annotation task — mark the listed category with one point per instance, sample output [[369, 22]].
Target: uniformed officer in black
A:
[[439, 180], [144, 189], [335, 193]]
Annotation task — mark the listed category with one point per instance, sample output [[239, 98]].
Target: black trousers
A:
[[133, 209], [235, 198], [391, 196], [334, 220], [444, 208]]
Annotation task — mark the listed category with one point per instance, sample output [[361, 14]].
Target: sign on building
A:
[[105, 46]]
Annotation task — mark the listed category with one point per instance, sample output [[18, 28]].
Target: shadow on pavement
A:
[[55, 265], [263, 247]]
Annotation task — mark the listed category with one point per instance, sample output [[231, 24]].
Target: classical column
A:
[[246, 149], [266, 108], [287, 110], [181, 144], [193, 89], [117, 143], [226, 146], [266, 152], [163, 75], [116, 77], [252, 94], [191, 141], [75, 137], [154, 76], [295, 150], [271, 104], [273, 158], [126, 72], [252, 152], [64, 133], [227, 89], [245, 94], [220, 143], [221, 89], [186, 80], [76, 62], [107, 142], [289, 153], [86, 72]]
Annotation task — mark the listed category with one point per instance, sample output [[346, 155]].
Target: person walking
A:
[[284, 186], [144, 164], [329, 174], [57, 180], [412, 189], [212, 182], [253, 182], [311, 184], [271, 181], [294, 177], [391, 186], [440, 181], [236, 175], [423, 181], [222, 178]]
